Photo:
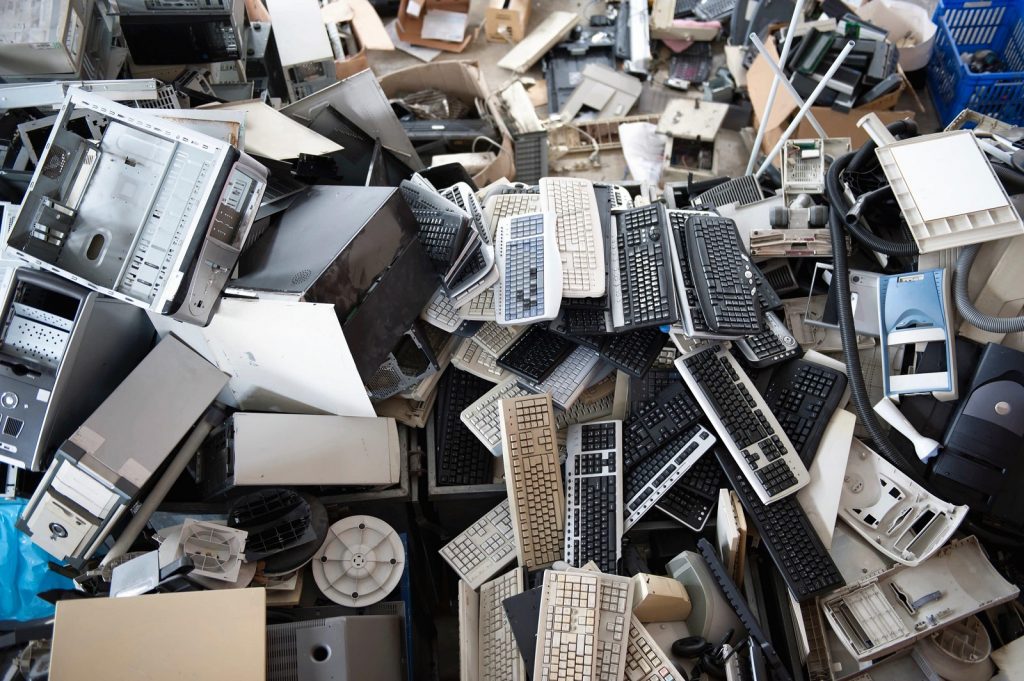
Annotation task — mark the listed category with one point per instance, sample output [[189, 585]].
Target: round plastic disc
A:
[[360, 563]]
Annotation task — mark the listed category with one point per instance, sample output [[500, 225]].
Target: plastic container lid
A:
[[360, 563]]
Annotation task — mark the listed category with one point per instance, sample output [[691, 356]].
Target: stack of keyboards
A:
[[614, 364]]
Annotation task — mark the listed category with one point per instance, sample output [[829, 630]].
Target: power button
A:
[[9, 400]]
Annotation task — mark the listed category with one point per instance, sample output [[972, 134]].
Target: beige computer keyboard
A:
[[533, 479]]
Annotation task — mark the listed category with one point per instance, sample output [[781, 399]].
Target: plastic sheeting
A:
[[23, 571]]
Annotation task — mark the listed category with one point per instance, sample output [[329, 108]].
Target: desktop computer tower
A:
[[44, 38], [357, 248], [347, 648], [63, 350], [103, 466], [299, 44], [165, 32], [150, 212], [285, 450]]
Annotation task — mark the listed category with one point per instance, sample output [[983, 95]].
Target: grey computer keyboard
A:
[[484, 548], [483, 417], [472, 272], [533, 479], [568, 380], [499, 655], [593, 494], [578, 231], [646, 482], [642, 290], [744, 422], [529, 269], [583, 630]]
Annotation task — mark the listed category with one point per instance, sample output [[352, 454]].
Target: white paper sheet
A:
[[644, 150], [424, 54], [282, 356]]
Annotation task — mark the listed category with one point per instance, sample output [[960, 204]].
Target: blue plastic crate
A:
[[965, 26]]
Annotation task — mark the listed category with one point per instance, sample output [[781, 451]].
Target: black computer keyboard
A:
[[460, 456], [722, 274], [634, 351], [743, 612], [767, 298], [535, 354], [792, 541], [742, 419], [803, 396], [774, 345], [646, 389], [442, 234], [690, 500], [654, 475], [672, 411], [694, 322], [642, 293], [593, 494]]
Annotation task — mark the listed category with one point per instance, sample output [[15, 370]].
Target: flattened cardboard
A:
[[462, 79], [410, 27], [188, 636]]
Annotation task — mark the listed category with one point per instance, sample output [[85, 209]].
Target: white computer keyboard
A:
[[484, 548], [441, 313], [584, 626], [499, 655], [578, 232], [483, 417], [496, 339], [471, 357], [506, 205], [529, 269], [645, 660]]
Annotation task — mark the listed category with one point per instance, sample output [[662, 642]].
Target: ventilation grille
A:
[[742, 190], [13, 426]]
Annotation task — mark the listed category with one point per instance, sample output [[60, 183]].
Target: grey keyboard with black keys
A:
[[593, 477], [691, 500]]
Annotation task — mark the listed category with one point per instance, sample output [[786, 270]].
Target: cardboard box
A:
[[659, 599], [836, 124], [410, 23], [188, 636], [464, 80], [506, 19]]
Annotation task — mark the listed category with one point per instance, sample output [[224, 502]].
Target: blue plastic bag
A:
[[23, 571]]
